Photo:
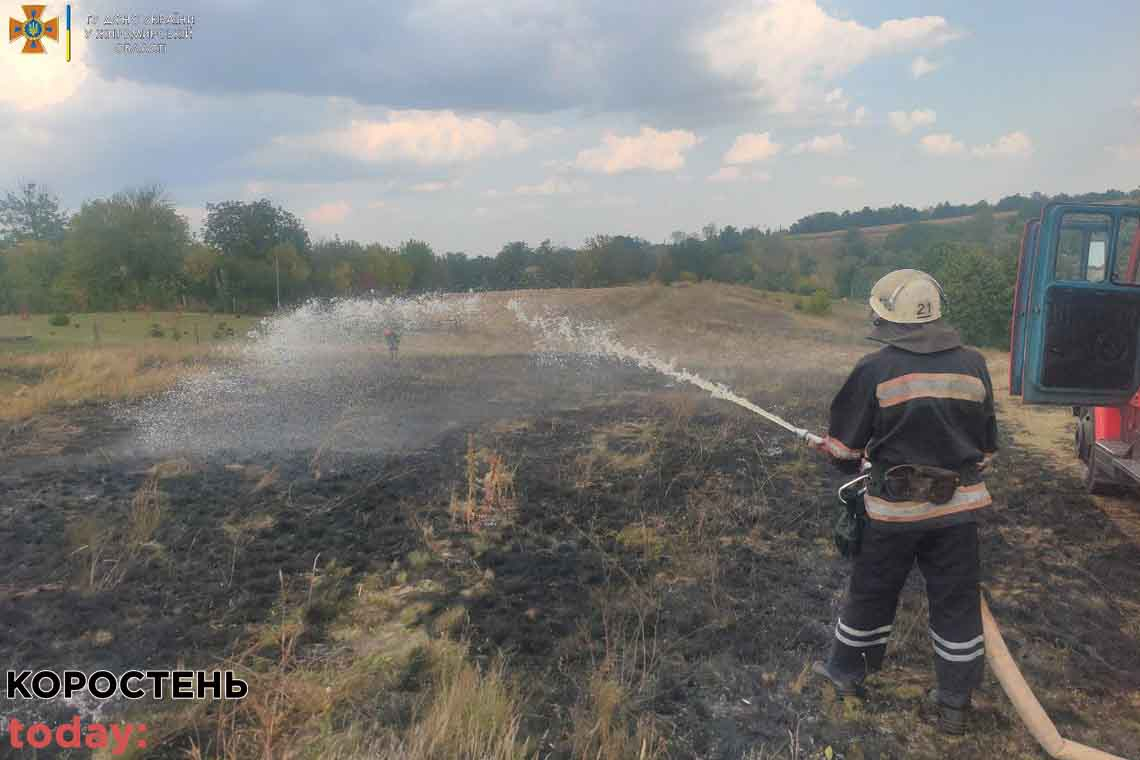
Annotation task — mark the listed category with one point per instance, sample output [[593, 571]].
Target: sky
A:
[[471, 123]]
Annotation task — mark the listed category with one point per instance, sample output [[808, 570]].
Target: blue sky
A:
[[469, 123]]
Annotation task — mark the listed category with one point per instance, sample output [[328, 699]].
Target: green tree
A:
[[291, 269], [31, 269], [854, 244], [128, 249], [245, 234], [665, 271], [979, 291], [511, 265], [385, 270], [845, 273], [425, 268], [30, 213], [335, 265], [200, 270]]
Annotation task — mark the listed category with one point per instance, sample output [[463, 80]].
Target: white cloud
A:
[[737, 173], [552, 186], [1125, 152], [750, 147], [1136, 103], [1012, 145], [859, 116], [434, 186], [904, 123], [942, 144], [333, 212], [787, 52], [835, 97], [921, 66], [377, 205], [827, 144], [37, 82], [649, 149], [421, 137], [841, 181]]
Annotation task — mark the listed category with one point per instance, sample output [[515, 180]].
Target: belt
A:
[[919, 483]]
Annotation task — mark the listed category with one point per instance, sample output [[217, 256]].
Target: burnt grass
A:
[[678, 546]]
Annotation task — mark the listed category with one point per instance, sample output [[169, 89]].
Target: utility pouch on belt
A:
[[919, 482], [850, 518]]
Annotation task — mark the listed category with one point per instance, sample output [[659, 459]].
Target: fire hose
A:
[[1001, 662]]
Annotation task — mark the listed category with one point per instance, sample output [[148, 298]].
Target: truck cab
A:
[[1075, 331]]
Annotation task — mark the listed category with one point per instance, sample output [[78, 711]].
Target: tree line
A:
[[1026, 206], [134, 250]]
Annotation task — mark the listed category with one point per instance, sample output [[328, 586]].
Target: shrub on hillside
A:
[[979, 291], [688, 277], [156, 330], [819, 303], [59, 320]]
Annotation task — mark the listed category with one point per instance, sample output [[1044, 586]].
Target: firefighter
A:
[[392, 338], [917, 418]]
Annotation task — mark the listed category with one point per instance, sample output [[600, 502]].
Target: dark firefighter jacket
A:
[[923, 399]]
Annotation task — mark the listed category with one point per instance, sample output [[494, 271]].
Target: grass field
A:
[[474, 554], [104, 356], [114, 329]]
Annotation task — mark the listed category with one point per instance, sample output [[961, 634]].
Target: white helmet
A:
[[907, 297]]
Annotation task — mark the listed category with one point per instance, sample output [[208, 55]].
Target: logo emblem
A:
[[34, 29]]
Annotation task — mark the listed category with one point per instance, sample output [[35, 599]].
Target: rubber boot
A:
[[953, 710], [844, 687]]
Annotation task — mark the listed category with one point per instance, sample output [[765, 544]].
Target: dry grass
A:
[[395, 694], [105, 374], [107, 554], [496, 486], [472, 715]]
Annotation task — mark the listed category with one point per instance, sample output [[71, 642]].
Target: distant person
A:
[[920, 412], [392, 338]]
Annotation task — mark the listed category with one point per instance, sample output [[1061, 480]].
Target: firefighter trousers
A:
[[948, 560]]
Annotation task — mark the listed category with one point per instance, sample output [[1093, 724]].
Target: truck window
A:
[[1082, 247], [1127, 272]]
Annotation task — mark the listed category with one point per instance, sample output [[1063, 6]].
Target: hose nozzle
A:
[[811, 439]]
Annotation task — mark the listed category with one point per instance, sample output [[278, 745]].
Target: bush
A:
[[979, 289], [156, 330], [688, 277], [819, 303], [59, 320]]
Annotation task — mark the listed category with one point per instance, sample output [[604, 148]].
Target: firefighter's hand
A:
[[984, 465], [816, 443]]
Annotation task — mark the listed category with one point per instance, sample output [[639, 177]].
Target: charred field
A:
[[635, 569]]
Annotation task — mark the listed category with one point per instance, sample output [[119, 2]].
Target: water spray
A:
[[598, 340]]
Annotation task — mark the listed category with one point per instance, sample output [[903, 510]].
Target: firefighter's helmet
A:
[[907, 297]]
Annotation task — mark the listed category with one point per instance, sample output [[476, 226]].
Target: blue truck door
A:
[[1017, 326], [1082, 320]]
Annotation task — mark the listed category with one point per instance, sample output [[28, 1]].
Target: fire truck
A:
[[1075, 331]]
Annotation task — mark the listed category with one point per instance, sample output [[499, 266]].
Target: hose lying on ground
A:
[[1027, 706]]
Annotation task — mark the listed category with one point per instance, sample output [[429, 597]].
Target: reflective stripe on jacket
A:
[[902, 407]]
